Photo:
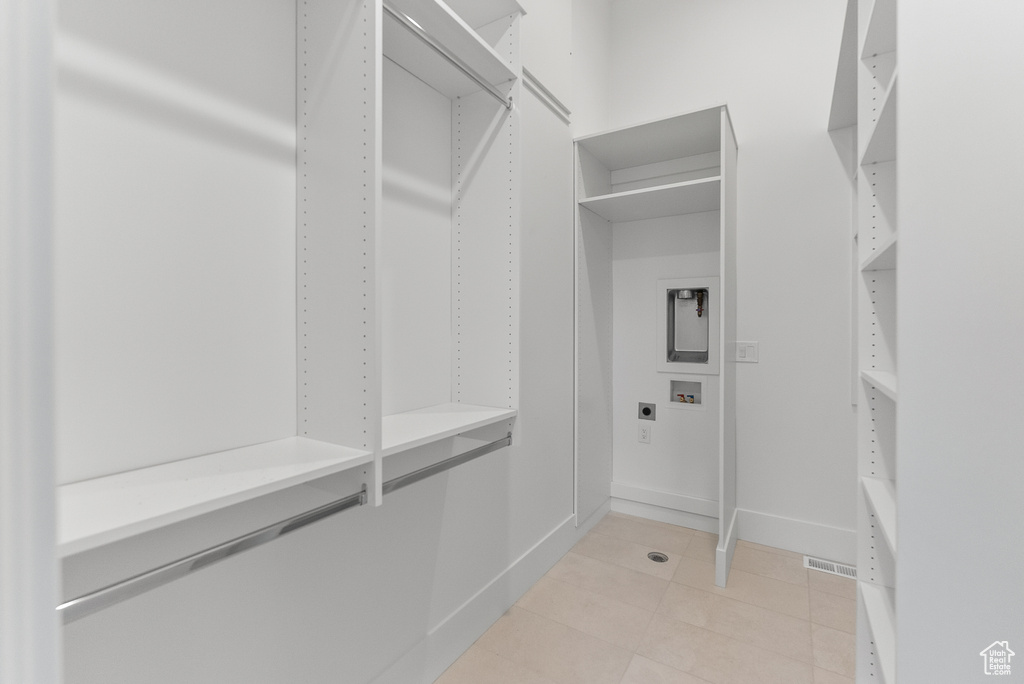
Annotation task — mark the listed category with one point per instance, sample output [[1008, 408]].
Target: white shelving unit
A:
[[689, 197], [419, 427], [671, 177], [223, 264], [461, 41], [875, 70], [104, 510], [448, 266]]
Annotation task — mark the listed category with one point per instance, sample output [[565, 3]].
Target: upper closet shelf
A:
[[108, 509], [881, 145], [689, 197], [412, 26], [403, 431], [880, 35], [657, 141]]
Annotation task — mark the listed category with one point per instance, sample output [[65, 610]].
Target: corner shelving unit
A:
[[876, 301], [237, 351], [671, 177]]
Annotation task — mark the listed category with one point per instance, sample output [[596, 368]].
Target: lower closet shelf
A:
[[404, 431], [100, 511]]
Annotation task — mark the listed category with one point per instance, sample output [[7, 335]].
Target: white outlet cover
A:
[[644, 433], [746, 352]]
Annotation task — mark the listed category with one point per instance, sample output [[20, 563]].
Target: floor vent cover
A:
[[830, 567]]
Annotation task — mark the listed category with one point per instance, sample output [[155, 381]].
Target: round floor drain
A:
[[657, 556]]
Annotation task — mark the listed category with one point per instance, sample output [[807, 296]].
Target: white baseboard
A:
[[585, 526], [454, 634], [666, 515], [669, 500], [724, 551], [824, 541], [830, 543]]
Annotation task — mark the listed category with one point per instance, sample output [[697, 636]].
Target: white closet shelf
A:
[[881, 495], [95, 512], [880, 35], [456, 36], [479, 13], [881, 146], [844, 92], [883, 381], [689, 197], [883, 258], [404, 431], [878, 603]]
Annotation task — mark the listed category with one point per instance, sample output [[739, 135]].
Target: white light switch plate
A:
[[746, 352]]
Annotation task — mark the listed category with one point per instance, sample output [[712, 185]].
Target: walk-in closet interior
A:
[[329, 328]]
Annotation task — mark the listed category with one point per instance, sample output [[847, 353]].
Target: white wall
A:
[[682, 457], [591, 64], [415, 259], [774, 65], [174, 320], [960, 474]]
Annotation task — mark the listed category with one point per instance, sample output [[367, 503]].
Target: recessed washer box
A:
[[687, 392], [688, 325]]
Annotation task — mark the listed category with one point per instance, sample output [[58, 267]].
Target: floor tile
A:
[[580, 624], [645, 671], [832, 584], [611, 620], [668, 539], [480, 666], [745, 622], [826, 677], [702, 548], [558, 652], [626, 554], [833, 611], [782, 634], [833, 650], [758, 590], [718, 658], [631, 586], [770, 549], [774, 565], [686, 604]]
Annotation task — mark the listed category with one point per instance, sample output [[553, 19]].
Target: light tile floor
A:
[[607, 614]]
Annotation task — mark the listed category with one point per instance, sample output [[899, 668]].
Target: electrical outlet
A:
[[645, 433]]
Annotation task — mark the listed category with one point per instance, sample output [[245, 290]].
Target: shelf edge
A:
[[883, 381], [145, 480]]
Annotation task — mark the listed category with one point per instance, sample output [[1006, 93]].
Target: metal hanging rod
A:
[[410, 24], [95, 601], [435, 468]]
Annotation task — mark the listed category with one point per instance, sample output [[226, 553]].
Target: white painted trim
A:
[[724, 552], [666, 515], [800, 536], [29, 637], [447, 640], [586, 525], [672, 501]]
